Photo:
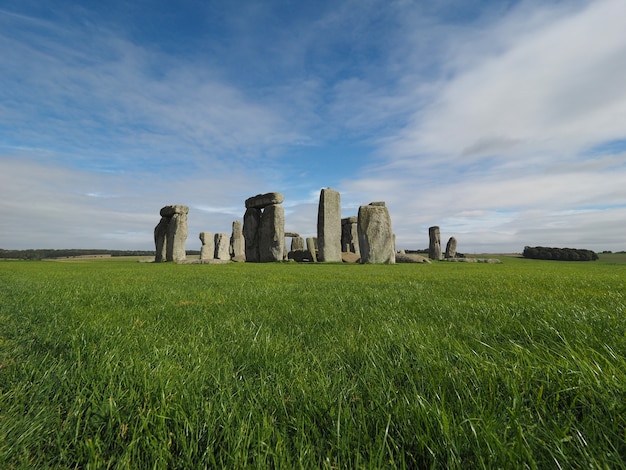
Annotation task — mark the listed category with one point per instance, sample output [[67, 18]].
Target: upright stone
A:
[[297, 244], [251, 225], [207, 250], [171, 233], [272, 234], [310, 245], [375, 235], [434, 247], [160, 234], [222, 246], [237, 242], [329, 226], [349, 235], [451, 248]]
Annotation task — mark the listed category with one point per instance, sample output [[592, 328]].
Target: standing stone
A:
[[207, 250], [349, 235], [222, 246], [237, 242], [297, 244], [434, 247], [329, 226], [310, 245], [375, 235], [451, 248], [251, 225], [160, 234], [272, 234], [171, 233]]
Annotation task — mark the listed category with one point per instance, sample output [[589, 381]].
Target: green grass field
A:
[[118, 364]]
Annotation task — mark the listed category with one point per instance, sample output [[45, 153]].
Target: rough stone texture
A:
[[311, 247], [350, 235], [251, 224], [237, 242], [261, 201], [272, 234], [222, 246], [434, 247], [207, 250], [170, 234], [297, 243], [411, 258], [451, 248], [349, 257], [291, 234], [160, 233], [329, 226], [375, 235], [475, 260]]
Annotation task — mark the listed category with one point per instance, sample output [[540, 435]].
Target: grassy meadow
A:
[[118, 364]]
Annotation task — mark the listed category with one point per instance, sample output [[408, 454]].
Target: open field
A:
[[115, 363]]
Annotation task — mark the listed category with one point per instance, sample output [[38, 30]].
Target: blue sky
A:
[[503, 122]]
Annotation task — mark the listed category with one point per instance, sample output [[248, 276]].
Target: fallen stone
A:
[[410, 258], [349, 257]]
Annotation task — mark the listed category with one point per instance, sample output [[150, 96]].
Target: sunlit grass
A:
[[281, 365]]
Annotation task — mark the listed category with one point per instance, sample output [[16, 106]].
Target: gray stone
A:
[[311, 247], [222, 246], [237, 242], [272, 234], [451, 248], [207, 250], [434, 247], [349, 235], [291, 234], [375, 235], [411, 258], [251, 224], [261, 201], [170, 234], [297, 243], [329, 226]]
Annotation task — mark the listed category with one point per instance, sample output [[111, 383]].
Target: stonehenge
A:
[[329, 226], [264, 228], [170, 234], [366, 238], [434, 247], [376, 239]]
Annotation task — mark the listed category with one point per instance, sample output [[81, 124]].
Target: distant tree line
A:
[[39, 254], [559, 254]]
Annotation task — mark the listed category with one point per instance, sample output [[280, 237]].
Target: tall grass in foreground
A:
[[120, 364]]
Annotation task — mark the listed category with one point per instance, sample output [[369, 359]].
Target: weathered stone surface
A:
[[349, 257], [311, 246], [222, 246], [169, 211], [378, 203], [349, 235], [291, 234], [170, 234], [300, 256], [160, 234], [329, 226], [451, 248], [261, 201], [297, 243], [207, 250], [434, 247], [375, 235], [237, 242], [272, 234], [411, 258], [251, 224]]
